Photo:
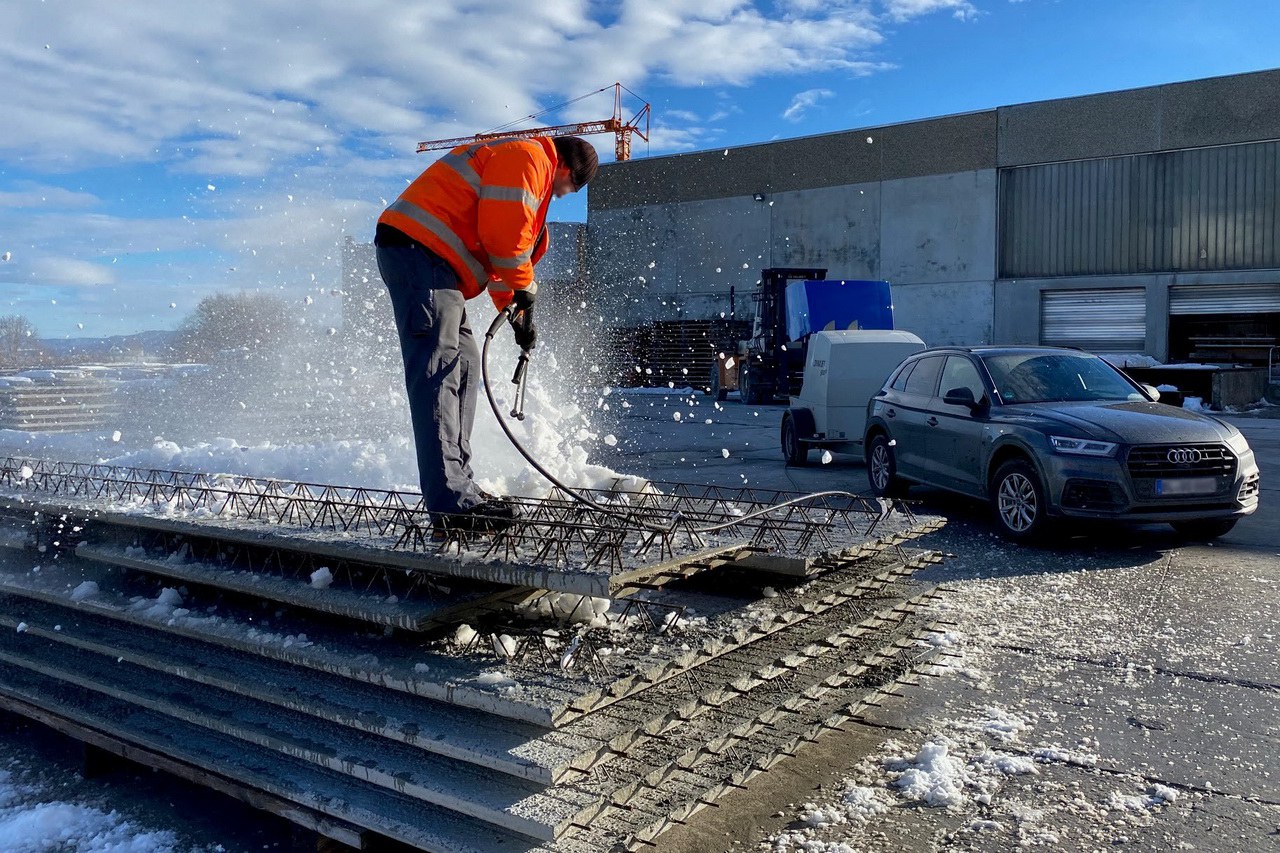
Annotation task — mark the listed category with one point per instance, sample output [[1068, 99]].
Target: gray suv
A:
[[1044, 433]]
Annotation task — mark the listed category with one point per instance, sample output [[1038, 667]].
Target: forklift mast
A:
[[769, 365]]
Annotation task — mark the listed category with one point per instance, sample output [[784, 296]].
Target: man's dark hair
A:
[[579, 157]]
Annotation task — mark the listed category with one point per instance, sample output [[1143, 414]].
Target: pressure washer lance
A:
[[522, 370], [671, 524]]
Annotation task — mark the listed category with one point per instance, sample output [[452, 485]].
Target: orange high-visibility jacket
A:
[[483, 208]]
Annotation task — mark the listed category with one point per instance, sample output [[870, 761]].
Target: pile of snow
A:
[[1155, 797], [857, 804], [33, 823], [505, 646], [463, 635], [567, 607], [166, 605], [932, 776], [321, 578], [1194, 404], [1130, 359], [88, 589], [496, 679]]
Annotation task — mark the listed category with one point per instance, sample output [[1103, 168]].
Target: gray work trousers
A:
[[440, 371]]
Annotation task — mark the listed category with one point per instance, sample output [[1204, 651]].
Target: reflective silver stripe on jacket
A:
[[503, 287], [511, 263], [438, 228], [461, 163], [520, 194]]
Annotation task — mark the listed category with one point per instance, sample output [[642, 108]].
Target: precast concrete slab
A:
[[674, 794], [500, 744], [751, 655], [500, 800], [378, 609], [392, 815], [456, 680], [534, 711], [330, 545]]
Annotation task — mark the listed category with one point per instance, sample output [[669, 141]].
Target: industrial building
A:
[[1142, 221], [1139, 221]]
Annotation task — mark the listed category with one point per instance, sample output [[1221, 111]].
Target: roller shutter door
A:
[[1098, 320], [1224, 298]]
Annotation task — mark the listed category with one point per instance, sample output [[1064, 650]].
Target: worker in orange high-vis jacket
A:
[[475, 220]]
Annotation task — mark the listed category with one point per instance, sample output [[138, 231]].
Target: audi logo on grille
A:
[[1184, 456]]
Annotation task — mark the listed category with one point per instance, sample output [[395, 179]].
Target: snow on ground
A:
[[990, 756], [32, 821]]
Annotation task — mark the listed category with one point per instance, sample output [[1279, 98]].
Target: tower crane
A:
[[622, 130]]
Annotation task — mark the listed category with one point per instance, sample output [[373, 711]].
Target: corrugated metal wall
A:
[[1201, 209]]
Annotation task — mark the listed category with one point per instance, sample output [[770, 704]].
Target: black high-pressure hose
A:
[[504, 316]]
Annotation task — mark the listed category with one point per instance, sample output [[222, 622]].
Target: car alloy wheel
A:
[[881, 467], [882, 471], [1019, 506]]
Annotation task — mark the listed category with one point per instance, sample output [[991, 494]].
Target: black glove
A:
[[522, 319]]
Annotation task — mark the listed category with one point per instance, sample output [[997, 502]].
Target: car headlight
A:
[[1082, 446], [1238, 444]]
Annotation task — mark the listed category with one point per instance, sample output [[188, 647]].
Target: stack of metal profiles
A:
[[580, 682], [60, 401]]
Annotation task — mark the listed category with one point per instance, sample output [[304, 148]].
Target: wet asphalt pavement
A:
[[1141, 661]]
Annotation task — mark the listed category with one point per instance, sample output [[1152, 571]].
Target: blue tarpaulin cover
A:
[[813, 306]]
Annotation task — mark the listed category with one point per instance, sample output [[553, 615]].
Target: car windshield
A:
[[1056, 377]]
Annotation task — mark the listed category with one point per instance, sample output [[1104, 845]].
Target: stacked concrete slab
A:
[[457, 714]]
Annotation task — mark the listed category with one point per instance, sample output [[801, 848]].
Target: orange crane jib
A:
[[622, 130]]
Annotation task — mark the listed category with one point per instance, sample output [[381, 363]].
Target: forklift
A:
[[791, 304]]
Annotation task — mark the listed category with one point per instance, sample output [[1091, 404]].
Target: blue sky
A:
[[151, 154]]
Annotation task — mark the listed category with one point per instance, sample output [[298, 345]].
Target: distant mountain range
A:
[[154, 342]]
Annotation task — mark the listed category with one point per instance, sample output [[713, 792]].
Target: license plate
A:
[[1187, 486]]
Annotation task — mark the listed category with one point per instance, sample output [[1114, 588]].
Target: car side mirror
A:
[[1152, 391], [961, 397]]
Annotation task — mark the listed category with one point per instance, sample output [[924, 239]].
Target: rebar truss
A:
[[625, 529]]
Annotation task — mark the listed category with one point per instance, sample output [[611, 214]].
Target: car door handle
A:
[[890, 413], [932, 421]]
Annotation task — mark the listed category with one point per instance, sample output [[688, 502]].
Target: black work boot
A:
[[490, 516]]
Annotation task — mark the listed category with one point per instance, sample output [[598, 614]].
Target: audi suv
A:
[[1045, 434]]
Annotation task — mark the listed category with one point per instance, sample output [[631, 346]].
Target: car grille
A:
[[1149, 463]]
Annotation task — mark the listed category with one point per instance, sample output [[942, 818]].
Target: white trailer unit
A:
[[842, 372]]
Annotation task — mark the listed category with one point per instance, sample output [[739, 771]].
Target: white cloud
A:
[[51, 269], [31, 195], [263, 100], [905, 10], [803, 101]]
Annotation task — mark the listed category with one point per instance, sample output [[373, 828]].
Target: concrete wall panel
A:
[[834, 227], [1240, 108], [957, 314], [939, 228], [1079, 128], [633, 259], [722, 242]]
